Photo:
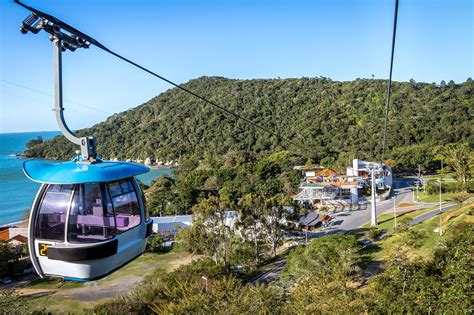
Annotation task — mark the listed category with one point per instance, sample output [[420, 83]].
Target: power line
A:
[[47, 94], [93, 41], [202, 98], [387, 107]]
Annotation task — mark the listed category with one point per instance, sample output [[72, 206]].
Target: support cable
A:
[[387, 107], [78, 34]]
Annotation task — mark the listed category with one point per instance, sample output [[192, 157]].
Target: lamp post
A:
[[417, 195], [373, 212], [394, 213], [440, 212]]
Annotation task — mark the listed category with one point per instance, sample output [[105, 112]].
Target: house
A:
[[328, 193], [14, 231], [311, 220], [171, 225], [4, 234], [322, 176]]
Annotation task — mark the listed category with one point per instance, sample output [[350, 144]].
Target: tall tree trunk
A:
[[256, 244]]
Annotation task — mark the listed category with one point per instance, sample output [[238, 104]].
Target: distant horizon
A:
[[32, 131]]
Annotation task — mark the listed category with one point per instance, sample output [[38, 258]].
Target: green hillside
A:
[[330, 119]]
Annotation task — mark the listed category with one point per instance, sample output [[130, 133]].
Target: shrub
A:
[[413, 238], [154, 244], [375, 233]]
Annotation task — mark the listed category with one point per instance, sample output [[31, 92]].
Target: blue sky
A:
[[182, 40]]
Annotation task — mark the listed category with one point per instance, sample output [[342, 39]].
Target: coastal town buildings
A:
[[331, 189]]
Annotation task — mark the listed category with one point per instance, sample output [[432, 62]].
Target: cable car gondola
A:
[[88, 219], [89, 216]]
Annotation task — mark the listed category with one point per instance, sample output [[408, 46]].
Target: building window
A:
[[51, 218], [125, 203], [92, 216]]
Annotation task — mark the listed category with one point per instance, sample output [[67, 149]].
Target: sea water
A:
[[17, 192]]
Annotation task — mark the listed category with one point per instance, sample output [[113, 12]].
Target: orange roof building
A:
[[4, 235], [327, 173]]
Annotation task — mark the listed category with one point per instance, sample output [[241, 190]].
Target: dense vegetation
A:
[[333, 121], [324, 277], [229, 177]]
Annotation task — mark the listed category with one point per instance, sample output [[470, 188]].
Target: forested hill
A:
[[331, 119]]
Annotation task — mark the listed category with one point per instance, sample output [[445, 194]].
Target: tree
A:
[[273, 216], [404, 287], [159, 195], [326, 276], [332, 257], [459, 157], [8, 259], [154, 244], [211, 230], [250, 206]]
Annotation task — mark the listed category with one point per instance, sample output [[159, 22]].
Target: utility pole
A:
[[373, 213]]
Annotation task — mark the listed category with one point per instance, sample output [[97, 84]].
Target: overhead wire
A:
[[387, 106], [204, 99], [184, 89], [47, 94]]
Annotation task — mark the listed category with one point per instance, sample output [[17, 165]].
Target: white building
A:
[[171, 225], [360, 171], [328, 193]]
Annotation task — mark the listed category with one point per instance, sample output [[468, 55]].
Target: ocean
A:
[[17, 192]]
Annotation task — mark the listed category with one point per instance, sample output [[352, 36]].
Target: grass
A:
[[386, 221], [52, 305], [425, 197], [446, 177], [52, 292], [52, 284], [424, 236]]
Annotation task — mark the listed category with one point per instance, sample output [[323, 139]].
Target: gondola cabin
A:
[[88, 219]]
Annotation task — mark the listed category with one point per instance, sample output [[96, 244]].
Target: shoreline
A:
[[13, 224]]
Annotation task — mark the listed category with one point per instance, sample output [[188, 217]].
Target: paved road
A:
[[351, 220], [429, 215], [403, 194]]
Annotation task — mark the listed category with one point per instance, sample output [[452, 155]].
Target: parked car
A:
[[6, 280]]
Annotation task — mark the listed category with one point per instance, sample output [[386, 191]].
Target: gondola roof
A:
[[74, 172]]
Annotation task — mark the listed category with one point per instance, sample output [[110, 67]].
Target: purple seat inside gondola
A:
[[55, 218], [102, 221]]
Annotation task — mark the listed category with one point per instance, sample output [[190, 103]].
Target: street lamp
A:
[[394, 213], [440, 212], [373, 212]]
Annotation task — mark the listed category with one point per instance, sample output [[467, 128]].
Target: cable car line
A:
[[96, 43], [89, 217], [387, 107]]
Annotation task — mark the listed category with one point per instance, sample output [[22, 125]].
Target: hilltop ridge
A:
[[333, 120]]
